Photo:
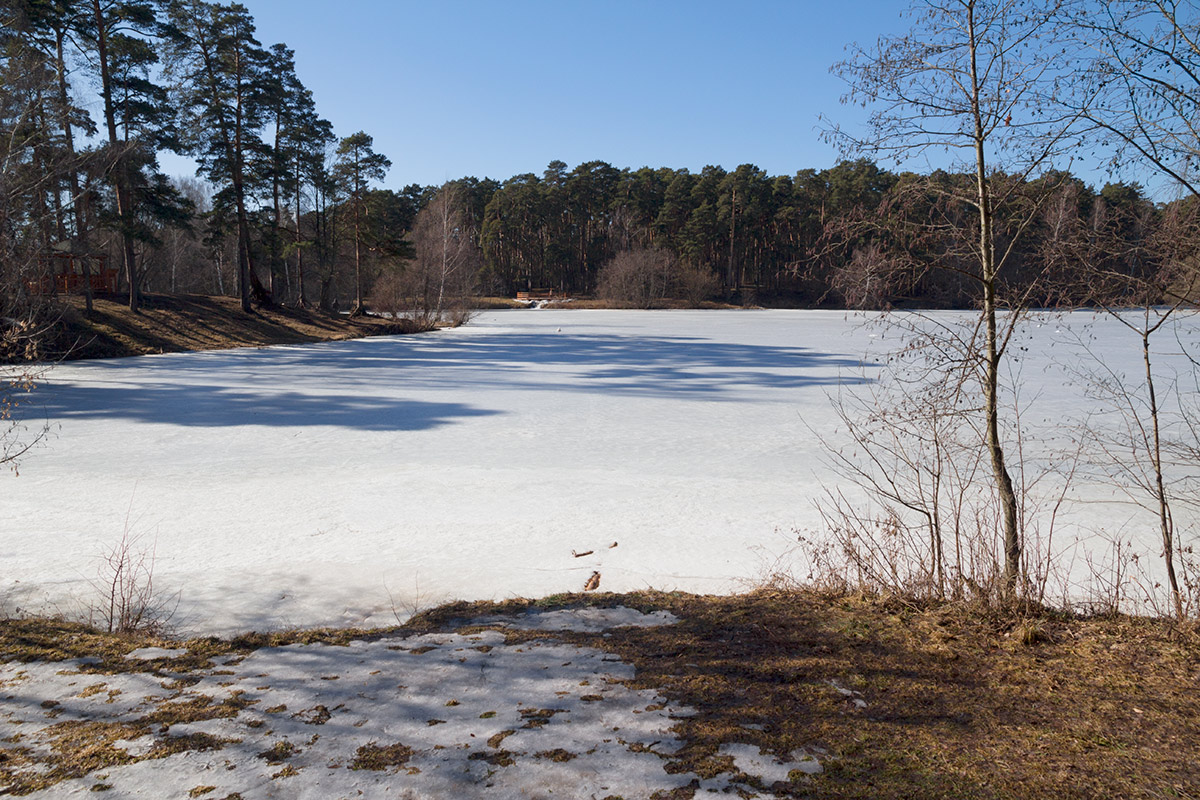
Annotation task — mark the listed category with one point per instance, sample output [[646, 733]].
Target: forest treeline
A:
[[283, 211]]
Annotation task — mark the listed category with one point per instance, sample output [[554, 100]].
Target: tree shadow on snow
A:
[[653, 366], [217, 406]]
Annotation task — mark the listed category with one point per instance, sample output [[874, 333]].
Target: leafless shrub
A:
[[914, 522], [645, 277], [915, 514], [1142, 444], [1113, 577], [400, 294], [407, 606], [15, 438], [865, 279], [17, 435], [128, 599], [639, 278], [694, 283]]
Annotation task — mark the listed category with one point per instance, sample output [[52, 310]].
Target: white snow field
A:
[[350, 483]]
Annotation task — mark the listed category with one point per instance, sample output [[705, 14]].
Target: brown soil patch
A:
[[177, 323]]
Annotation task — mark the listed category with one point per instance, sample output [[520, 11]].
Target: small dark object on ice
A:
[[611, 546], [584, 553], [592, 582]]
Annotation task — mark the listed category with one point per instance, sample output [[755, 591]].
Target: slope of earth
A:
[[649, 695], [179, 323]]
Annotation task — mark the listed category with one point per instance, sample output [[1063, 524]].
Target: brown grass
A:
[[960, 702], [77, 748], [177, 323], [381, 757]]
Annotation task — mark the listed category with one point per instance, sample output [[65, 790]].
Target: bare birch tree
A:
[[970, 80], [436, 285], [1145, 284], [1139, 85], [1138, 88]]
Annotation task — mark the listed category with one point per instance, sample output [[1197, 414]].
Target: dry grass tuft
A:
[[194, 709], [495, 739], [170, 745], [497, 758], [76, 749], [381, 757], [279, 752]]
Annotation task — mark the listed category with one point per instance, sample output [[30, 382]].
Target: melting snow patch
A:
[[849, 694], [147, 653], [135, 747], [438, 715], [766, 767], [582, 620]]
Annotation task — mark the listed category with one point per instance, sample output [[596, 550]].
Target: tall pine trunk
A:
[[77, 196], [120, 176], [302, 302]]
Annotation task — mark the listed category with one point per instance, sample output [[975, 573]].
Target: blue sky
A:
[[469, 87]]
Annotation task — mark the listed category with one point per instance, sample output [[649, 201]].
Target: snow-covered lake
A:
[[350, 482]]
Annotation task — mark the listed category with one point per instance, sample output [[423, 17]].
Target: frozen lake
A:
[[348, 482]]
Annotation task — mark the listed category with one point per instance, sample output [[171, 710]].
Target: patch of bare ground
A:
[[932, 701], [898, 700], [177, 323]]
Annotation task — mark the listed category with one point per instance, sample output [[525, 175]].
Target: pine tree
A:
[[357, 165], [222, 74]]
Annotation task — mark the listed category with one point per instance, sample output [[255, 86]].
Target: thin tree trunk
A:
[[445, 256], [1160, 493], [358, 301], [77, 196], [120, 177], [303, 299], [43, 211], [987, 253], [730, 280], [275, 238], [235, 165]]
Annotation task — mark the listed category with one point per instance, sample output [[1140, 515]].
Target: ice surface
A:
[[351, 483]]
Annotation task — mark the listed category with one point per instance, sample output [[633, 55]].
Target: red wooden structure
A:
[[64, 274], [538, 294]]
